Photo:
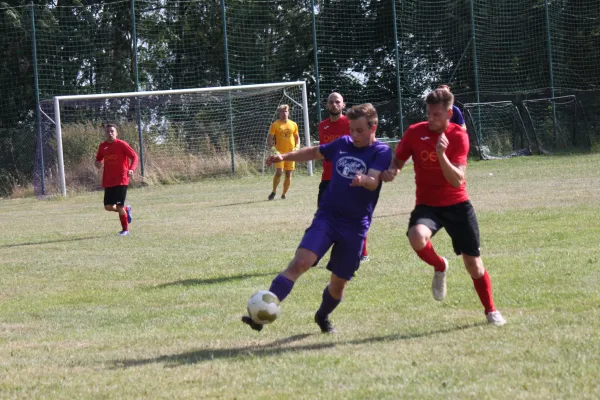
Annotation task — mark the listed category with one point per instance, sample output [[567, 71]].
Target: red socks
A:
[[429, 255], [364, 250], [124, 223], [483, 287]]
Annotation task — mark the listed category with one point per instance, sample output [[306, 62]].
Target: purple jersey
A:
[[352, 205], [457, 116]]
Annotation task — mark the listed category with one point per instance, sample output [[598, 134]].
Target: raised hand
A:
[[442, 144]]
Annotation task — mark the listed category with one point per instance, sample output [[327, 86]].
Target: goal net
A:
[[496, 130], [558, 123], [179, 134]]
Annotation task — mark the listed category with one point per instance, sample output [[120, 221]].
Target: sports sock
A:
[[364, 250], [483, 287], [429, 255], [124, 223], [287, 182], [276, 180], [281, 287], [328, 304]]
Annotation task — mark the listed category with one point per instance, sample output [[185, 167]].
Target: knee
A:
[[336, 289], [299, 265], [417, 238], [474, 266], [108, 207], [278, 172]]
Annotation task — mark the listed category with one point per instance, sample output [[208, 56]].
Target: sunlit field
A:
[[87, 314]]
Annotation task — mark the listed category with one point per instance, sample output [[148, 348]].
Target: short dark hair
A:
[[440, 96], [110, 125], [364, 110]]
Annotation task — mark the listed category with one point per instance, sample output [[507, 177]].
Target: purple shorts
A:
[[347, 245]]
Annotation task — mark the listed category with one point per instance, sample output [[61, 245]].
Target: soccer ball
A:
[[263, 307]]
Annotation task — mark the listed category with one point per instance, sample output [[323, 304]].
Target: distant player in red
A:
[[336, 126], [119, 160], [439, 151]]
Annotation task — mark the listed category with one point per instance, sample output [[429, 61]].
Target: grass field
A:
[[86, 314]]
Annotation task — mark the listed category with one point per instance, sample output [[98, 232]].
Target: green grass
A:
[[86, 314]]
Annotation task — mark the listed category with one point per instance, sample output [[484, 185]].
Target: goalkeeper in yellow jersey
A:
[[283, 138]]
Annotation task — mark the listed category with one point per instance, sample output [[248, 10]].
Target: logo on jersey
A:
[[425, 138], [349, 166]]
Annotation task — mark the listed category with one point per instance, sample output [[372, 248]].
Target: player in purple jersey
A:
[[457, 116], [345, 212]]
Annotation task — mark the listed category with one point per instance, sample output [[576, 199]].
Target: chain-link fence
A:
[[389, 53]]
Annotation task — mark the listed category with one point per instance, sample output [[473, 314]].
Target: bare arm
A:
[[271, 140], [454, 174], [297, 140], [370, 181], [395, 166], [303, 154]]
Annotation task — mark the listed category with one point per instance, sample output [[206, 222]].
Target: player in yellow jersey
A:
[[283, 138]]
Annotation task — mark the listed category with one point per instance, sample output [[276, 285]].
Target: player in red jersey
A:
[[119, 160], [336, 126], [439, 151]]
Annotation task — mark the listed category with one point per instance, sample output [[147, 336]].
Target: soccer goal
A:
[[179, 134], [496, 130], [559, 124]]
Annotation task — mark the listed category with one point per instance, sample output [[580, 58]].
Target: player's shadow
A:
[[50, 241], [275, 348], [240, 203], [212, 281]]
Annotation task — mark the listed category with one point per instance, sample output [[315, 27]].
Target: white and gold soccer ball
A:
[[263, 307]]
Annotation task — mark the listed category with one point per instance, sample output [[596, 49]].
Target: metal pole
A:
[[137, 87], [59, 147], [398, 85], [231, 139], [316, 55], [475, 71], [37, 99], [549, 44], [306, 127]]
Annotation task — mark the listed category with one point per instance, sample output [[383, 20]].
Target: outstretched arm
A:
[[303, 154]]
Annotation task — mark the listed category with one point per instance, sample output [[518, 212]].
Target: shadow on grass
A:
[[390, 215], [275, 348], [51, 241], [240, 203], [211, 281]]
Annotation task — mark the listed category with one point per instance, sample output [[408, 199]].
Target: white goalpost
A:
[[186, 133]]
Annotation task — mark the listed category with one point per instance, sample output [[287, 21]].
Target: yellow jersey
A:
[[284, 134]]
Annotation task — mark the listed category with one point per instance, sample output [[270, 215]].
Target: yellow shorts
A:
[[286, 165]]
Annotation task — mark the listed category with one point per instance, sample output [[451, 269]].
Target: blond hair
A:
[[283, 107]]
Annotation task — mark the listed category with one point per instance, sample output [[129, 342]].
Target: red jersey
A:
[[116, 157], [419, 143], [328, 132]]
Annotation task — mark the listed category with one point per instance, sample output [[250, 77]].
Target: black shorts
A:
[[115, 195], [459, 220], [322, 188]]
